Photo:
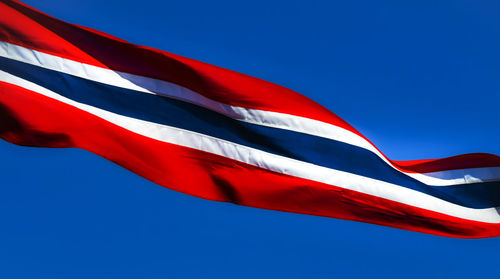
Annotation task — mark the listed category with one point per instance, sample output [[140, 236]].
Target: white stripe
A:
[[270, 161], [468, 175], [260, 117]]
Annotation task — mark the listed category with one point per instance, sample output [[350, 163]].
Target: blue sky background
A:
[[419, 78]]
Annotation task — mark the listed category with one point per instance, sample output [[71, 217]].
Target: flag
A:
[[222, 135]]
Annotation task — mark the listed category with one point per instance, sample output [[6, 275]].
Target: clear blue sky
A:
[[419, 78]]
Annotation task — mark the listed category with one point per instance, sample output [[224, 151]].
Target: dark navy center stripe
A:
[[317, 150]]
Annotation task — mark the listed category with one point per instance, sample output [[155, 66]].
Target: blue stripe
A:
[[303, 147]]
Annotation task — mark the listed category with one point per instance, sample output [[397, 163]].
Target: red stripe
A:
[[28, 27], [465, 161], [25, 26], [31, 119]]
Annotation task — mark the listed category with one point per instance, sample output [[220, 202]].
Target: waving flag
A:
[[222, 135]]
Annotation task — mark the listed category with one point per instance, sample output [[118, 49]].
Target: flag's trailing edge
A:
[[222, 135]]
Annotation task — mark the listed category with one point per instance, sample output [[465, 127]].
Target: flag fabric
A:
[[221, 135]]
